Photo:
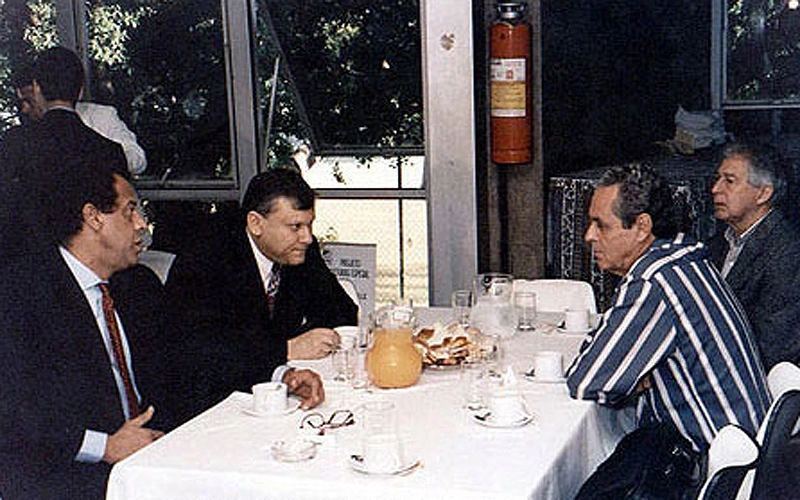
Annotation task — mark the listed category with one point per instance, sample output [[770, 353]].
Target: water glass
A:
[[525, 306], [342, 362], [461, 300], [360, 379]]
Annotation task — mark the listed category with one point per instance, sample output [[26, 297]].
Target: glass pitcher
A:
[[493, 311], [393, 360]]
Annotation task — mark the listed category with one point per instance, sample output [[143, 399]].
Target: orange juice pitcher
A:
[[392, 360]]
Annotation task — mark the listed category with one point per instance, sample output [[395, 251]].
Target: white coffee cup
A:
[[348, 336], [576, 320], [548, 365], [269, 397], [506, 407], [382, 453]]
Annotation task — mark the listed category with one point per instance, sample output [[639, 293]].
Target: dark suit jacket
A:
[[219, 306], [55, 376], [766, 280], [34, 158]]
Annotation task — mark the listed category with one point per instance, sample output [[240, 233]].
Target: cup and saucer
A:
[[270, 399], [382, 455], [504, 409], [576, 322], [548, 368]]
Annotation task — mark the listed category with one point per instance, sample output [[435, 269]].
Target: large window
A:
[[757, 66], [340, 84], [217, 90]]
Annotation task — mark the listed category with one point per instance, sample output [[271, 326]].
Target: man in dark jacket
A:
[[758, 254], [244, 293]]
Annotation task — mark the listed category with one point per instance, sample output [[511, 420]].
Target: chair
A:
[[558, 295], [158, 261], [782, 378], [775, 475], [732, 453], [350, 288]]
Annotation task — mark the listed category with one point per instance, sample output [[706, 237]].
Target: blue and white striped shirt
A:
[[675, 321]]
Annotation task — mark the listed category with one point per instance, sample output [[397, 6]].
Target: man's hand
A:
[[307, 385], [131, 437], [313, 344]]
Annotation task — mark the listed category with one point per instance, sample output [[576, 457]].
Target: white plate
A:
[[489, 422], [532, 378], [291, 406], [358, 466], [573, 332]]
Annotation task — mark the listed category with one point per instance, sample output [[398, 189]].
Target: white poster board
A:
[[354, 262]]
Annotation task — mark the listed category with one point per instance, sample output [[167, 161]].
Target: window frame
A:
[[449, 125]]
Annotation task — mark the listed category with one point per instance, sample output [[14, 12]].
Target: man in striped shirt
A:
[[675, 340]]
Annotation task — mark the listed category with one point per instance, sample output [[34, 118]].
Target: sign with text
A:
[[354, 262]]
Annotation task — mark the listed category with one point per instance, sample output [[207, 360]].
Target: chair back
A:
[[731, 454], [558, 295], [160, 262], [350, 288], [775, 473]]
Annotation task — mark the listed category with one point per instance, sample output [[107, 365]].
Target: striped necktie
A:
[[119, 354], [272, 286]]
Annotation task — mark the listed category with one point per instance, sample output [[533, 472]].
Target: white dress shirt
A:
[[94, 442], [265, 267]]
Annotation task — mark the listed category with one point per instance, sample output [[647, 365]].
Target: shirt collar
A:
[[85, 276], [733, 240], [264, 264]]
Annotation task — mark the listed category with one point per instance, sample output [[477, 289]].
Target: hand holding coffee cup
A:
[[576, 320], [269, 398], [548, 366]]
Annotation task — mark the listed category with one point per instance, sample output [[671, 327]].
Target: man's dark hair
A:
[[59, 73], [276, 183], [642, 190], [764, 166], [78, 183]]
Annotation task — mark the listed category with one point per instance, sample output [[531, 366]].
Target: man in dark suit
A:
[[759, 252], [237, 310], [29, 152], [78, 370]]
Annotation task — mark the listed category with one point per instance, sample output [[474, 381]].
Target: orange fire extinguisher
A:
[[510, 85]]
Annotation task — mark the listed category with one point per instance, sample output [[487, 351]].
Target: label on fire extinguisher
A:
[[508, 87]]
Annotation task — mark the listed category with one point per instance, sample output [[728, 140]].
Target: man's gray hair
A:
[[643, 190], [764, 166]]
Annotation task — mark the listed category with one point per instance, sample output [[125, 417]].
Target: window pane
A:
[[350, 74], [162, 64], [349, 172], [763, 51], [26, 27], [402, 249]]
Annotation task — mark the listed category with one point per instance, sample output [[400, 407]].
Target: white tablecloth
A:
[[225, 453]]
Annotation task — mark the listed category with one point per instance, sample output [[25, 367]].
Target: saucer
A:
[[291, 406], [357, 464], [487, 421], [298, 450], [532, 378], [564, 331]]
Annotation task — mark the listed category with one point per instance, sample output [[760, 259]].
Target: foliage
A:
[[356, 65], [763, 50]]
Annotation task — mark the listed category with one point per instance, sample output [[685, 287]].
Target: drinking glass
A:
[[461, 300], [525, 306]]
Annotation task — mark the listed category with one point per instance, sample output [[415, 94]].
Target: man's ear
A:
[[644, 225], [765, 193], [92, 216], [254, 222]]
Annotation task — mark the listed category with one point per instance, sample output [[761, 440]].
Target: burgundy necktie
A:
[[119, 355], [272, 286]]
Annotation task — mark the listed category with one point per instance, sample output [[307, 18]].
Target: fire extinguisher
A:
[[510, 85]]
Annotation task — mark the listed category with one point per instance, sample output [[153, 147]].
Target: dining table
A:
[[226, 452]]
